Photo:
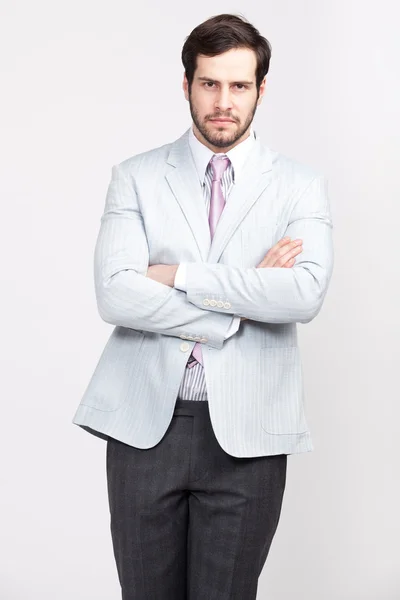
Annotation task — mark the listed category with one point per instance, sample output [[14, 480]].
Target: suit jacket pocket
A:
[[282, 410]]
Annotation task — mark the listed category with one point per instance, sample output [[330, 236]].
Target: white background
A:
[[86, 85]]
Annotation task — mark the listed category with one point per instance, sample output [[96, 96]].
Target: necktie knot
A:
[[219, 164]]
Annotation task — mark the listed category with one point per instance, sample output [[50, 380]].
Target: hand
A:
[[282, 255], [163, 273]]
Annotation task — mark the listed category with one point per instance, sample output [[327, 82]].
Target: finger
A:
[[289, 263], [281, 251], [272, 258], [283, 241], [293, 252], [281, 262], [288, 256]]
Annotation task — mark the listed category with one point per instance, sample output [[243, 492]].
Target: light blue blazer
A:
[[154, 213]]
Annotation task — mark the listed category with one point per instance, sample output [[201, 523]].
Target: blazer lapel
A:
[[254, 179], [184, 183]]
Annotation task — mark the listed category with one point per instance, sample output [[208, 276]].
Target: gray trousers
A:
[[189, 521]]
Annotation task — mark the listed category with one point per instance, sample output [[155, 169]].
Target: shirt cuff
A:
[[180, 277], [233, 327]]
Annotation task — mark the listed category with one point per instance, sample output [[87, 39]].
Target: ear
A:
[[262, 90], [185, 86]]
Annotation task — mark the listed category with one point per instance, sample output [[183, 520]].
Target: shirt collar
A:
[[238, 155]]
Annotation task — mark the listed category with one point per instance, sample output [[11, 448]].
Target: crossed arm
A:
[[127, 297], [281, 255], [268, 294]]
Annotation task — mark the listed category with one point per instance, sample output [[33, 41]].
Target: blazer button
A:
[[227, 305], [206, 302], [184, 346], [189, 337], [197, 338], [183, 337], [213, 303], [204, 340], [220, 304]]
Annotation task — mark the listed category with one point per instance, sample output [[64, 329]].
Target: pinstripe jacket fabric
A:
[[154, 214]]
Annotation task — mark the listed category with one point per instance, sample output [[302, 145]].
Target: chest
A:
[[171, 230]]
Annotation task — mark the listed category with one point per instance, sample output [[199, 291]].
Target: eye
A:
[[209, 83], [241, 86]]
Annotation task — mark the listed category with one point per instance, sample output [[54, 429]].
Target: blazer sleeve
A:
[[124, 295], [272, 294]]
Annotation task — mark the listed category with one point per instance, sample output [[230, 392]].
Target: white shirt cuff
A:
[[180, 278], [233, 327]]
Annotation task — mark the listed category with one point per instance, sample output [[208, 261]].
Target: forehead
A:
[[238, 63]]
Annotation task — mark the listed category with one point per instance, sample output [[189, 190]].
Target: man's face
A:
[[223, 98]]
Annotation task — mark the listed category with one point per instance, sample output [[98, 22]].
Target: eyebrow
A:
[[215, 81]]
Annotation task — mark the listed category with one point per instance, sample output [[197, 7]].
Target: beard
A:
[[220, 139]]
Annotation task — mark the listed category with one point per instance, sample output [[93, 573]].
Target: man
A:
[[210, 250]]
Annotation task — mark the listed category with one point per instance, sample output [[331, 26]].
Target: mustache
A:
[[220, 116]]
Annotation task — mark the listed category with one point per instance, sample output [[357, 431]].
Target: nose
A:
[[223, 101]]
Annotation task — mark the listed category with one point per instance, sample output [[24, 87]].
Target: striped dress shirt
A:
[[193, 384]]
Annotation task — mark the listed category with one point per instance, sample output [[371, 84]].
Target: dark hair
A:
[[220, 34]]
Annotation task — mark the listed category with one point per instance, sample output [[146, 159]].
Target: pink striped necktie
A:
[[219, 164]]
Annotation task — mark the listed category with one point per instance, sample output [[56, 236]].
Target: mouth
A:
[[221, 120]]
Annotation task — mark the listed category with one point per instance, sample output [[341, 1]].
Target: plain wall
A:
[[86, 85]]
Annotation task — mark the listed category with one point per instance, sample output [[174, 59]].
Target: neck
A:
[[217, 149]]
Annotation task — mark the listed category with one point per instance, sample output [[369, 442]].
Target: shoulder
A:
[[151, 159], [291, 171]]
